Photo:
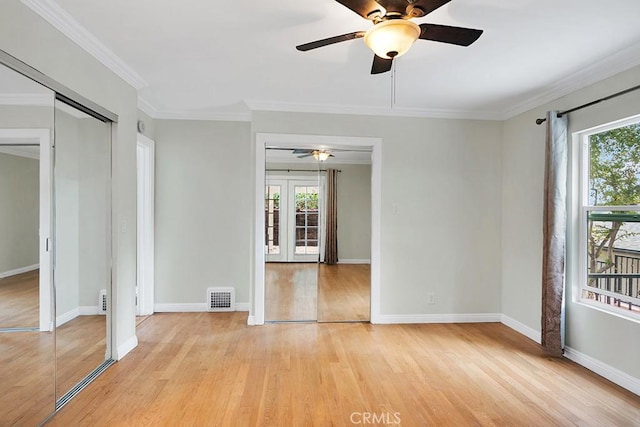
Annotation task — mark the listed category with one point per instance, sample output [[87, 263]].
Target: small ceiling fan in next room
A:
[[393, 33]]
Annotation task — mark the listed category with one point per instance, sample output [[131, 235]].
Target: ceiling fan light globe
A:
[[321, 156], [393, 38]]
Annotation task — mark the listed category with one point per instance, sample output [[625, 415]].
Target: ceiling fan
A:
[[393, 33], [320, 155]]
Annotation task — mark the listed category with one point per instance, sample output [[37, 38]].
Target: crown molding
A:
[[146, 107], [51, 12], [619, 62], [204, 115], [360, 110]]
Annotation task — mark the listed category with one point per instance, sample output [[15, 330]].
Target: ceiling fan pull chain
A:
[[393, 84]]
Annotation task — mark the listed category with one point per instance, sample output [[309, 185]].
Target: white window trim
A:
[[581, 139]]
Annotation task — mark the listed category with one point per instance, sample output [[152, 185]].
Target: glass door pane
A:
[[275, 215], [306, 222]]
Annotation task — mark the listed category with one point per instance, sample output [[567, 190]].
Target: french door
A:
[[292, 220]]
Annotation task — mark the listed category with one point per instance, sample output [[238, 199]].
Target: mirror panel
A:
[[344, 289], [82, 177], [27, 342], [292, 236]]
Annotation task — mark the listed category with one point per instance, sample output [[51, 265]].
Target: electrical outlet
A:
[[431, 298]]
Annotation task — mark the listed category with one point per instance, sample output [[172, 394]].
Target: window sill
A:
[[622, 314]]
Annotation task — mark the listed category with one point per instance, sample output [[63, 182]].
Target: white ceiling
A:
[[213, 59]]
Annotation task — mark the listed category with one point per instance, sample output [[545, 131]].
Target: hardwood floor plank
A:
[[20, 300], [213, 369]]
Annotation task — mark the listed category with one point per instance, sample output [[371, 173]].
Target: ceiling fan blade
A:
[[452, 35], [380, 65], [331, 40], [301, 151], [364, 8], [305, 155], [424, 7]]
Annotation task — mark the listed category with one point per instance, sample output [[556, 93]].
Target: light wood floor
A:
[[291, 291], [344, 292], [19, 300], [310, 291], [27, 370], [80, 348], [205, 369]]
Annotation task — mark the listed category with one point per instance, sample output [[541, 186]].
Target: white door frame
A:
[[43, 138], [264, 140], [145, 225]]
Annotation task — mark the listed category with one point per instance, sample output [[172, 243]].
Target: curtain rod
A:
[[589, 104], [297, 170]]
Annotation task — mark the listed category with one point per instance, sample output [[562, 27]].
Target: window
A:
[[610, 217]]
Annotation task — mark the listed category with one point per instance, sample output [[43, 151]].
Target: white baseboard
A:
[[242, 306], [88, 310], [19, 271], [68, 316], [439, 318], [192, 307], [609, 372], [251, 320], [521, 328], [354, 261], [126, 347]]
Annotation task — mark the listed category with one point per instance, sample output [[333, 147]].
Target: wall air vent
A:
[[102, 302], [221, 299]]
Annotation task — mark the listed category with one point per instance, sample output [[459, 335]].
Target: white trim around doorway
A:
[[145, 150], [264, 140]]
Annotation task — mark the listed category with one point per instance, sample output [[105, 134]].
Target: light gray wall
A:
[[67, 214], [445, 177], [19, 219], [602, 336], [354, 212], [204, 209], [29, 38]]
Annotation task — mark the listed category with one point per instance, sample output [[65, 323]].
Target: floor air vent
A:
[[102, 302], [221, 299]]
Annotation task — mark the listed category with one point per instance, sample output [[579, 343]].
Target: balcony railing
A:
[[621, 278]]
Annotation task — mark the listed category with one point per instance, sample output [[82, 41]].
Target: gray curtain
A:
[[554, 232], [331, 243]]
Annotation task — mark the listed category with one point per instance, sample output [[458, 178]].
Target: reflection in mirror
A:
[[344, 283], [292, 235], [27, 344], [83, 244], [318, 234]]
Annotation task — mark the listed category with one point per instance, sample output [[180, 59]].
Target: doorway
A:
[[145, 159], [291, 142], [19, 147]]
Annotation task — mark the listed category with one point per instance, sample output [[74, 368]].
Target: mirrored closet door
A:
[[27, 343], [292, 236], [55, 243], [313, 206], [82, 177]]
